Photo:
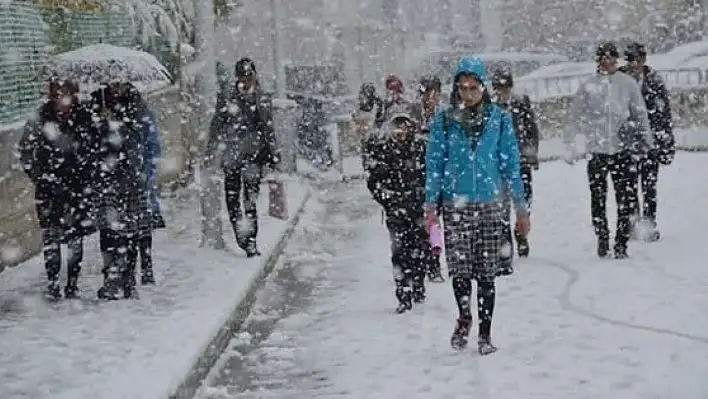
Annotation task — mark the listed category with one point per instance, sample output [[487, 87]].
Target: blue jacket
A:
[[152, 151], [456, 174]]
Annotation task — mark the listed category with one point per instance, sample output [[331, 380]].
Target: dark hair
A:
[[606, 49], [245, 67], [635, 50], [502, 78], [428, 83]]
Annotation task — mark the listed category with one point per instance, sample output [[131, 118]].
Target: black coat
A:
[[56, 154], [120, 179], [241, 131], [525, 126], [658, 104], [396, 178]]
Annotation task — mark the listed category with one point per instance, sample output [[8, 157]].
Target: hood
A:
[[473, 65]]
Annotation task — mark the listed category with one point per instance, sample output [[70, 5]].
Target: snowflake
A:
[[51, 131]]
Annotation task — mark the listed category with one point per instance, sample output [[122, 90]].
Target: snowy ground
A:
[[568, 325], [133, 348]]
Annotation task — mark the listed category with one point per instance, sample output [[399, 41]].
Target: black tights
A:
[[486, 293]]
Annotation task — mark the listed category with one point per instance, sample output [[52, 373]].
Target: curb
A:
[[193, 380]]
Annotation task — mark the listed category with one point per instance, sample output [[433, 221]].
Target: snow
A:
[[568, 325], [130, 348], [143, 67]]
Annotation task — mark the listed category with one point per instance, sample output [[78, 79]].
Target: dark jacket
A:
[[525, 126], [121, 179], [396, 178], [658, 104], [57, 156], [241, 131]]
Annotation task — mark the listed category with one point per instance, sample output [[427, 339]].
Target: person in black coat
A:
[[396, 180], [241, 136], [55, 153], [123, 210], [658, 103], [423, 113], [527, 135]]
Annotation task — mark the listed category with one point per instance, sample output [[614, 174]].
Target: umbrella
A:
[[103, 63]]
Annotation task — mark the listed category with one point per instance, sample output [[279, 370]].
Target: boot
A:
[[620, 251], [405, 300], [484, 345], [111, 280], [603, 247], [147, 277], [129, 283], [53, 291], [458, 341], [252, 250], [522, 245], [71, 291]]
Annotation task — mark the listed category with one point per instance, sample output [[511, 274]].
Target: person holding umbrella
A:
[[121, 182]]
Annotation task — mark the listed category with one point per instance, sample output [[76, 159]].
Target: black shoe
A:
[[251, 250], [435, 276], [484, 346], [147, 278], [109, 293], [71, 291], [458, 341], [522, 245], [603, 248], [620, 252], [418, 297], [53, 291], [654, 236], [129, 286], [404, 307]]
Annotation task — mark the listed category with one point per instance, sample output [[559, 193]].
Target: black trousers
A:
[[648, 176], [142, 248], [118, 249], [623, 171], [527, 179], [486, 295], [410, 256], [52, 240], [246, 179]]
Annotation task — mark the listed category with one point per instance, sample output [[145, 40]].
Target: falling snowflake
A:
[[51, 131]]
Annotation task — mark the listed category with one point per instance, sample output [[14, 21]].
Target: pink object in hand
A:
[[436, 238]]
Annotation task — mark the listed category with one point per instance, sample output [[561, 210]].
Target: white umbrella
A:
[[103, 63]]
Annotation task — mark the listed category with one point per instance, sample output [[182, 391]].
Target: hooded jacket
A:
[[457, 173], [609, 111]]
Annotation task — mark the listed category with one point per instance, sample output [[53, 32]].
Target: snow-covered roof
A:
[[514, 56], [678, 56], [697, 62], [560, 70]]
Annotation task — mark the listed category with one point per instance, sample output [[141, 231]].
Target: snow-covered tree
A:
[[171, 20]]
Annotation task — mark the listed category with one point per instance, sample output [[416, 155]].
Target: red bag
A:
[[277, 204]]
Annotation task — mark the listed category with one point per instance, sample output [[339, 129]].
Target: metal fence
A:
[[31, 34]]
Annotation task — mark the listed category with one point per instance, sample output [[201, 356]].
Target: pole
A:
[[278, 71]]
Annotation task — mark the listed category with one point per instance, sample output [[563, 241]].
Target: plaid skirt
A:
[[125, 212], [476, 240]]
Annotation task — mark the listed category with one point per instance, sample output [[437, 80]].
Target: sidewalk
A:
[[129, 349]]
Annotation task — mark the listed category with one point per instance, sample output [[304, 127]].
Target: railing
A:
[[566, 85]]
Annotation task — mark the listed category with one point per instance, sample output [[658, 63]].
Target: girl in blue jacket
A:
[[472, 157]]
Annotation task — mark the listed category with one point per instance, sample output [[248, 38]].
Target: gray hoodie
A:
[[609, 111]]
